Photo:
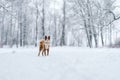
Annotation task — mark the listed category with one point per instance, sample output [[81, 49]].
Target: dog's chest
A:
[[47, 44]]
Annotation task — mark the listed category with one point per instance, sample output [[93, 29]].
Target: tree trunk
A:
[[87, 33], [63, 43], [36, 25], [2, 31], [43, 19], [101, 34]]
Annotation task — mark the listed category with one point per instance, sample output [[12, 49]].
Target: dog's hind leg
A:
[[39, 53], [40, 49]]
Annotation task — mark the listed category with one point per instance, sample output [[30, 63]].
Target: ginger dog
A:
[[44, 46]]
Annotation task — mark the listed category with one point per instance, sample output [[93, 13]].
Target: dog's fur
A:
[[44, 46]]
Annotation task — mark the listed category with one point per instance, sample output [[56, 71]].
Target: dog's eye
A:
[[45, 37], [48, 37]]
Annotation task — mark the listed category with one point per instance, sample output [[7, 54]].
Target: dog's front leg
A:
[[43, 53], [47, 51]]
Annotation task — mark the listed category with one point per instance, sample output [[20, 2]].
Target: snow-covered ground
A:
[[64, 63]]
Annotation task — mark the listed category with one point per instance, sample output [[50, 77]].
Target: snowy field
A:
[[64, 63]]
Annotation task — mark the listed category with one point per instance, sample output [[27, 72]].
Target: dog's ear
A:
[[45, 37], [48, 37]]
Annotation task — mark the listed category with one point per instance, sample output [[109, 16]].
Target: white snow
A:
[[63, 63]]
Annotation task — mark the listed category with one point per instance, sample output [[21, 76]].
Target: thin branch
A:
[[114, 18], [1, 6]]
